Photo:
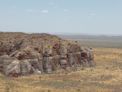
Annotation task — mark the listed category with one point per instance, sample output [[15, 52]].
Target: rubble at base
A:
[[24, 54]]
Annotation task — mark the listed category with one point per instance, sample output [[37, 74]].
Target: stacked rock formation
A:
[[24, 54]]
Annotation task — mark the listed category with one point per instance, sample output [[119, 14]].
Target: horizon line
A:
[[62, 33]]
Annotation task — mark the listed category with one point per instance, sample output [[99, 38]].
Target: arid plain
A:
[[106, 76]]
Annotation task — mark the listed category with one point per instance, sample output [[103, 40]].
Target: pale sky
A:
[[62, 16]]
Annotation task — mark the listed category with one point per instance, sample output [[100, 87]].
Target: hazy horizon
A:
[[66, 34]]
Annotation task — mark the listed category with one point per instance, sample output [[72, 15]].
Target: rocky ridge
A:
[[24, 54]]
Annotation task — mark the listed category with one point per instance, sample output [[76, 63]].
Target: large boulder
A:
[[47, 64], [25, 67], [9, 66], [13, 69], [36, 65]]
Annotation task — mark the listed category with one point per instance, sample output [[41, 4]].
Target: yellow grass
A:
[[105, 77]]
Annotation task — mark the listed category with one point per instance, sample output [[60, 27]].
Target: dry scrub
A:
[[105, 77]]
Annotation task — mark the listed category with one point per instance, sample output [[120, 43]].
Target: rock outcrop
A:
[[24, 54]]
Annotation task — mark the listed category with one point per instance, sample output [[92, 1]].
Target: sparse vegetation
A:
[[105, 77]]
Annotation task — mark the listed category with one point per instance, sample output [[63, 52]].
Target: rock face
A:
[[24, 54]]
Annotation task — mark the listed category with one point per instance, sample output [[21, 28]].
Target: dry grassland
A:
[[105, 77]]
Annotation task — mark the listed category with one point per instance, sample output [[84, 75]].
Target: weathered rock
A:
[[63, 61], [24, 54], [36, 64], [47, 64], [90, 56], [9, 66], [56, 62], [3, 60], [25, 67], [77, 56], [13, 69], [47, 61], [71, 59]]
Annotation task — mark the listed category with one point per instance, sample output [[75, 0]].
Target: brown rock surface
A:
[[23, 54]]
